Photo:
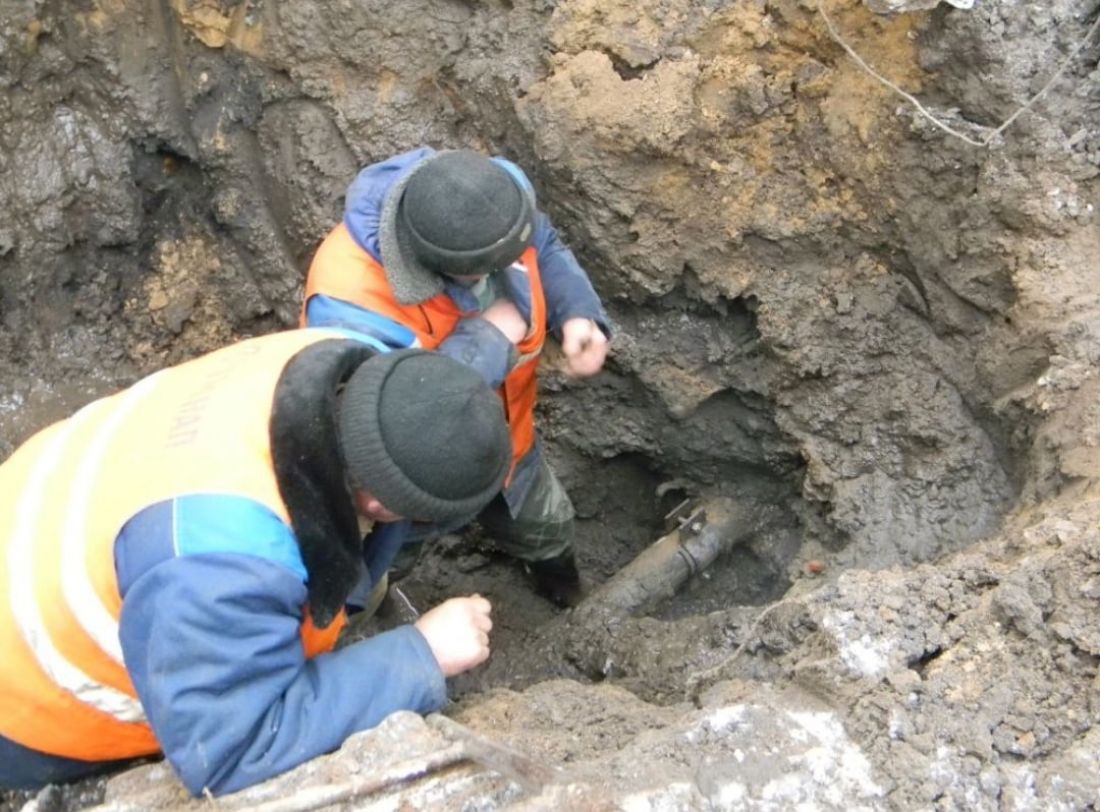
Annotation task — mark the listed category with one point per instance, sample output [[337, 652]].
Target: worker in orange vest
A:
[[176, 560], [447, 251]]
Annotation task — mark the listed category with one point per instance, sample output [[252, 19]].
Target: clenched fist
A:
[[457, 632], [585, 347]]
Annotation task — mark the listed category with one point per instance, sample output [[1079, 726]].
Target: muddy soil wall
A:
[[819, 297]]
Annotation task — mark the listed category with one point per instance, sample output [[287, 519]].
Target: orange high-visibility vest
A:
[[342, 270], [201, 427]]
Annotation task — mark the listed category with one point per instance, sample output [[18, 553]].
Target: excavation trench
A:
[[865, 349]]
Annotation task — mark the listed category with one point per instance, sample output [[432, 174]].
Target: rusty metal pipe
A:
[[661, 569]]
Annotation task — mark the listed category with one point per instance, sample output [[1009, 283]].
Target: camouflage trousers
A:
[[542, 527]]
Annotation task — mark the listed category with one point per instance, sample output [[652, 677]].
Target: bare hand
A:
[[506, 317], [457, 632], [585, 347]]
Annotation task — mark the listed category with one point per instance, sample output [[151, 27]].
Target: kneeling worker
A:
[[175, 559]]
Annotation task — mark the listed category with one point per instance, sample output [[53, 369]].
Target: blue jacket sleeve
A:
[[474, 341], [212, 644], [482, 347], [569, 292], [327, 311]]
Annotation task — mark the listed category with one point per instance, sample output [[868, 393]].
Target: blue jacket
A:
[[212, 589]]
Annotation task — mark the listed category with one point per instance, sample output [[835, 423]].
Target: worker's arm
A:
[[329, 311], [212, 643], [569, 292], [576, 315], [476, 342], [482, 345]]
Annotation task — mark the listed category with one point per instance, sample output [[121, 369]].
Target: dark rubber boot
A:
[[557, 579]]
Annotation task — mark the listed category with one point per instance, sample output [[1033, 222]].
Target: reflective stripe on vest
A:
[[24, 603], [342, 270], [64, 496]]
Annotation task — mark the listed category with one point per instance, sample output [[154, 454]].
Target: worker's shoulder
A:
[[206, 524]]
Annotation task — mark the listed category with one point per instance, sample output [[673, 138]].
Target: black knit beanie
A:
[[425, 435], [465, 214]]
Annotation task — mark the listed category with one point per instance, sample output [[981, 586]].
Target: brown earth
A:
[[883, 339]]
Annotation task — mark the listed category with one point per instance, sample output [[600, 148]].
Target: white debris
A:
[[723, 719], [897, 6], [864, 655], [672, 798], [834, 762]]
